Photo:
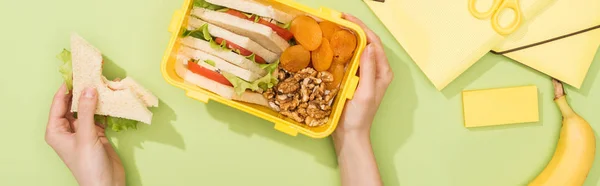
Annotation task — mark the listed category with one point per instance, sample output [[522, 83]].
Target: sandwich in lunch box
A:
[[121, 104], [263, 24], [246, 51], [229, 51]]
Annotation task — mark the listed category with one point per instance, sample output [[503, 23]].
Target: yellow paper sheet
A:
[[441, 36], [567, 59], [500, 106]]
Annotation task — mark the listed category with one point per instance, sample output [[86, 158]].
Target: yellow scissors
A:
[[497, 7]]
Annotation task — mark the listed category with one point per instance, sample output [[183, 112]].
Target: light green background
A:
[[418, 135]]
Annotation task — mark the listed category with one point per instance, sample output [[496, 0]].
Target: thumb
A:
[[85, 116], [368, 69]]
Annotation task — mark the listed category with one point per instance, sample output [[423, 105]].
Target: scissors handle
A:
[[514, 24], [483, 15]]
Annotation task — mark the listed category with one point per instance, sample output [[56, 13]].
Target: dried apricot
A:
[[329, 29], [343, 44], [295, 58], [322, 57], [338, 75], [307, 32]]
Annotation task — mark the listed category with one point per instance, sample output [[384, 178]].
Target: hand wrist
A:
[[354, 134], [343, 138]]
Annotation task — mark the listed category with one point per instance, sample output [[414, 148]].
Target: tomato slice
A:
[[215, 76], [238, 14], [242, 50], [285, 34]]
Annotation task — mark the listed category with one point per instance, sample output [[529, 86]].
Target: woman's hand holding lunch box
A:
[[352, 136]]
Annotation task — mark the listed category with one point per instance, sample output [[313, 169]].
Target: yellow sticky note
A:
[[500, 106]]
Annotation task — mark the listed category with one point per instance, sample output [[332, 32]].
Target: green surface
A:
[[418, 136]]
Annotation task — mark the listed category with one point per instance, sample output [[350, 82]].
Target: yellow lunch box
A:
[[282, 123]]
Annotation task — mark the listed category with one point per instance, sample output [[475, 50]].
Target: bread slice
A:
[[87, 72], [219, 64], [239, 40], [228, 56], [128, 83], [224, 91], [259, 33], [254, 7]]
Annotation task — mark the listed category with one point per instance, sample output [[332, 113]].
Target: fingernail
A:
[[89, 93]]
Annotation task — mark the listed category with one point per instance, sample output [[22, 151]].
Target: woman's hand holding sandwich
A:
[[80, 143], [352, 137]]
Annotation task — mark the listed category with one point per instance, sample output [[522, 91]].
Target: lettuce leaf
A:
[[237, 51], [257, 19], [200, 33], [210, 62], [240, 85], [223, 10], [114, 123], [66, 69], [120, 124], [284, 26], [251, 57], [203, 33], [206, 5], [249, 15], [217, 46], [266, 82], [270, 67], [287, 26]]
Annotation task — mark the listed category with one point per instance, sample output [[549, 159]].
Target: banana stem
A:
[[561, 99], [559, 90]]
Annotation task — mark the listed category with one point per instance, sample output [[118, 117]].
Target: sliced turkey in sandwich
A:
[[224, 78], [263, 24], [250, 8], [213, 63], [197, 73], [223, 53], [226, 67], [239, 44]]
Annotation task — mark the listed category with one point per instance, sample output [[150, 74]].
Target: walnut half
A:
[[311, 122], [293, 115], [289, 85]]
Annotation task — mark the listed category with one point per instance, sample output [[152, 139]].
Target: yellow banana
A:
[[575, 151]]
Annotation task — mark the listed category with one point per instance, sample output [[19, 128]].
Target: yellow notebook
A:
[[442, 36], [567, 59], [500, 106]]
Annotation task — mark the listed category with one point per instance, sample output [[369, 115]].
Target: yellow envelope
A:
[[442, 36], [567, 59]]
